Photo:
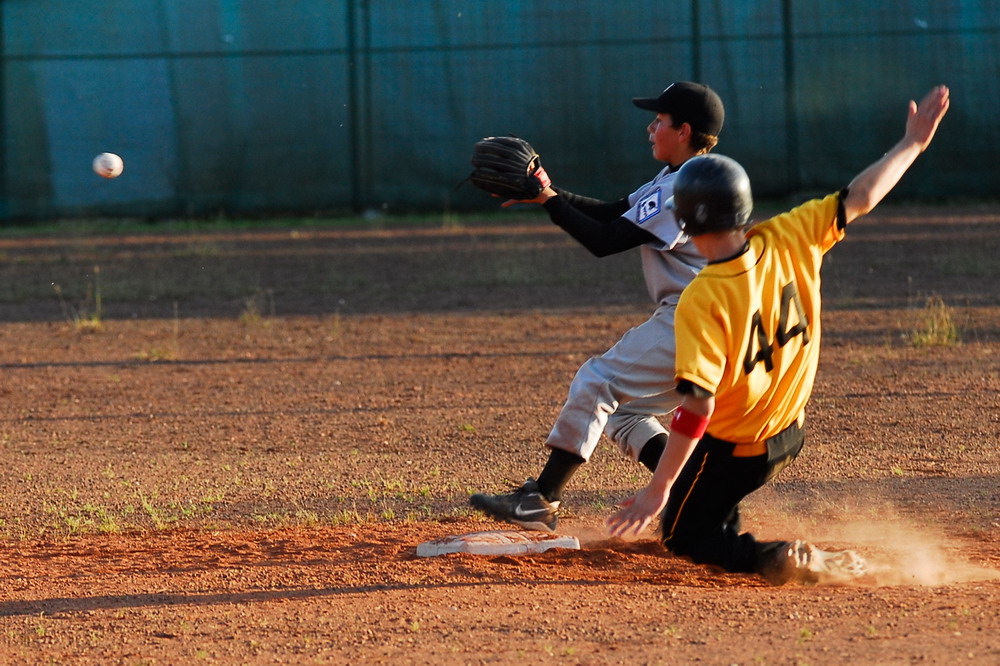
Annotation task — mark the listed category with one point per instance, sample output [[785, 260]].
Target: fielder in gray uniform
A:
[[623, 391]]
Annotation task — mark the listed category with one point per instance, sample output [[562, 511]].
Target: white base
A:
[[504, 542]]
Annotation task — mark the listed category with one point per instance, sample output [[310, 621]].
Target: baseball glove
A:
[[508, 167]]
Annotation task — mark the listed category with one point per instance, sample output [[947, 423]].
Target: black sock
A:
[[557, 473], [652, 450]]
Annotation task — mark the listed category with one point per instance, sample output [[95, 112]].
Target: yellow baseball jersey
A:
[[748, 329]]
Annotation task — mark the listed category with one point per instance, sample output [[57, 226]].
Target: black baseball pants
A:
[[702, 517]]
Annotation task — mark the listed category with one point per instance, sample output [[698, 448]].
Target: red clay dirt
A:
[[235, 462]]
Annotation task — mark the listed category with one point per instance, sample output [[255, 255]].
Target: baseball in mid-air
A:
[[108, 165]]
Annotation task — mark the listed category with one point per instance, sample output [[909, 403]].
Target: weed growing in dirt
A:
[[85, 518], [159, 522], [105, 522], [304, 517], [86, 317], [346, 517], [257, 307], [336, 325], [167, 515], [936, 327], [171, 351]]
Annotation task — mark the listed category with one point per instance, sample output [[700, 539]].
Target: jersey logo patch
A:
[[648, 207]]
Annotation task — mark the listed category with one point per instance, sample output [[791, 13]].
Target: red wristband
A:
[[543, 177], [688, 423]]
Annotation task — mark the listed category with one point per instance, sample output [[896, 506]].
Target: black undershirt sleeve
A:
[[602, 211], [687, 387], [841, 213], [601, 238]]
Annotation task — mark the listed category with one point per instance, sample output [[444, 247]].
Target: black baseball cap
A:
[[693, 103]]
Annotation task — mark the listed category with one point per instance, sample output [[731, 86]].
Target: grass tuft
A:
[[87, 316], [258, 307], [936, 327]]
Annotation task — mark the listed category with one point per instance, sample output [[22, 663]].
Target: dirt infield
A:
[[234, 458]]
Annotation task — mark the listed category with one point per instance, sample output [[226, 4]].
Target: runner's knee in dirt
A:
[[723, 548]]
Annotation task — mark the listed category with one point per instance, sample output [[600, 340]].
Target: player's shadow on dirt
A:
[[63, 605], [332, 358]]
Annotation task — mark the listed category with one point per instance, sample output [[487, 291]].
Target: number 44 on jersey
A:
[[759, 339]]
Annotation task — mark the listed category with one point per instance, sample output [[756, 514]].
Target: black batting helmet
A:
[[711, 193]]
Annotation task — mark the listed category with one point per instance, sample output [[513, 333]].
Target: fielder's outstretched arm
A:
[[871, 185]]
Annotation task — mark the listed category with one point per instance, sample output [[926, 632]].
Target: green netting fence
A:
[[319, 106]]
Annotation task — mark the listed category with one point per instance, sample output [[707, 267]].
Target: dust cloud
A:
[[901, 552], [899, 549]]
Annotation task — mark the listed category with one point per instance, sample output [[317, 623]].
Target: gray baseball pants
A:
[[622, 392]]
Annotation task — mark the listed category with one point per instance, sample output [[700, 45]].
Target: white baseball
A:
[[108, 165]]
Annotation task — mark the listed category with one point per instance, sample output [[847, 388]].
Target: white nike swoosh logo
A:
[[521, 513]]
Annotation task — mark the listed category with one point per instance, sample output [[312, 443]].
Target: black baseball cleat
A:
[[526, 507]]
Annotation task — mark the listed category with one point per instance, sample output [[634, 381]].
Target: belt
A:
[[750, 450], [780, 442]]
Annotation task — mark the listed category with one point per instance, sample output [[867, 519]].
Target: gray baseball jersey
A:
[[669, 267], [623, 391]]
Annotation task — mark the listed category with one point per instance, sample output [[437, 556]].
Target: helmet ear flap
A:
[[671, 205], [711, 193]]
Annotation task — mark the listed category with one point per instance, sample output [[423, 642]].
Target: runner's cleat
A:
[[525, 506], [802, 562]]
